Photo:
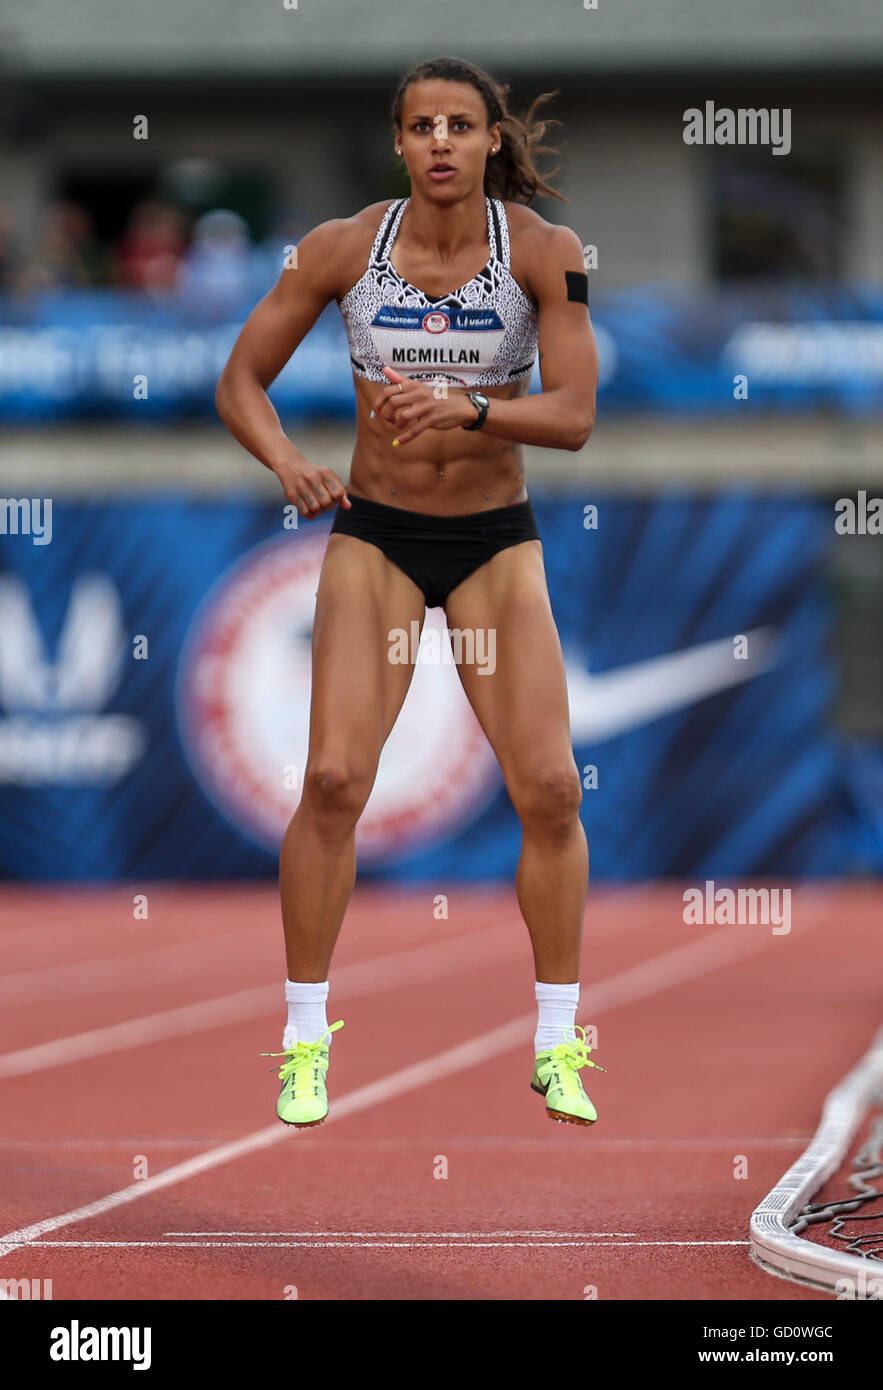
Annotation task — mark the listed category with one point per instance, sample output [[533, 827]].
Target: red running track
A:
[[141, 1157]]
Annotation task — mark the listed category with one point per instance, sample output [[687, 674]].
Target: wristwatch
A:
[[481, 404]]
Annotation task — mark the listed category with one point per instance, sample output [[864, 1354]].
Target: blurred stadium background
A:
[[154, 654]]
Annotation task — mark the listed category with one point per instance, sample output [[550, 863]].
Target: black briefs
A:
[[437, 552]]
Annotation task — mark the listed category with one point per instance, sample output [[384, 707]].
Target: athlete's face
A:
[[445, 138]]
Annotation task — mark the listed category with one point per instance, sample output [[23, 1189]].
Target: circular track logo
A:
[[243, 702], [436, 322]]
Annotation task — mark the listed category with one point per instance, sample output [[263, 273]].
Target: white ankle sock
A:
[[557, 1005], [306, 1012]]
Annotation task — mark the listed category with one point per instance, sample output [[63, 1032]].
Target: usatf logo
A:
[[436, 322], [55, 725], [243, 703]]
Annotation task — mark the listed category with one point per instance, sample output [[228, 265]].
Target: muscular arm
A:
[[562, 415], [269, 337]]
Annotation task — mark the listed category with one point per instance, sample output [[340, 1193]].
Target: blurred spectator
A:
[[68, 253], [149, 254], [288, 226], [220, 273], [7, 250], [217, 271]]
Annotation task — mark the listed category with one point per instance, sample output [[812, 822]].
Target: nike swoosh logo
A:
[[609, 704]]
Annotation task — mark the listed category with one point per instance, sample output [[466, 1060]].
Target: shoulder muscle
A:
[[545, 250], [332, 256]]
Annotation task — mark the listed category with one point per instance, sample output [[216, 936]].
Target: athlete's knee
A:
[[337, 789], [548, 796]]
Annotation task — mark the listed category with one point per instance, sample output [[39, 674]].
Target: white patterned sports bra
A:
[[483, 334]]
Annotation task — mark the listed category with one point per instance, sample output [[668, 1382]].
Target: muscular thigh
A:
[[357, 692], [522, 706]]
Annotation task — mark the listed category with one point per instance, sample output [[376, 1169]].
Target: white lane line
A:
[[176, 961], [112, 972], [408, 1235], [501, 940], [710, 952], [111, 1143], [45, 982], [724, 1142], [359, 1244], [435, 960]]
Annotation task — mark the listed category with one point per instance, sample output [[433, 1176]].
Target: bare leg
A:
[[357, 694], [551, 883], [523, 709], [326, 873]]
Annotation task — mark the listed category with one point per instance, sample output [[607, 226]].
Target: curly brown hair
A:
[[511, 174]]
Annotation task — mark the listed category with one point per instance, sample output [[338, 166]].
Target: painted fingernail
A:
[[395, 443]]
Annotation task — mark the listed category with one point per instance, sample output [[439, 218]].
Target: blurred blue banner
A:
[[155, 687], [70, 354]]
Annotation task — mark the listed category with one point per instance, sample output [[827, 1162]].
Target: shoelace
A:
[[574, 1055], [303, 1055]]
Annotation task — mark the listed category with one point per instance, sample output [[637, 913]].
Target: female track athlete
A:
[[446, 295]]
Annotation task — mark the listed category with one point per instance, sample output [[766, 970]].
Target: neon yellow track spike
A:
[[556, 1076], [303, 1099]]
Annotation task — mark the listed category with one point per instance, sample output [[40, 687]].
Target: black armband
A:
[[577, 286]]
